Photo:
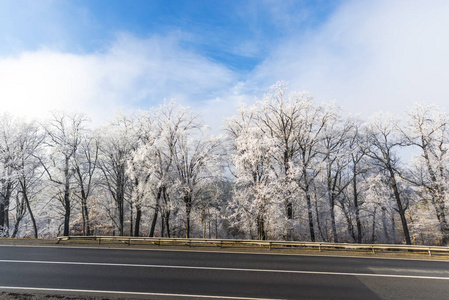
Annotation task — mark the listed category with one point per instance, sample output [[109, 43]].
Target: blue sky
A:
[[99, 56], [238, 34]]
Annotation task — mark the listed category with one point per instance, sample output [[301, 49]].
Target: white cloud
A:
[[370, 56], [130, 73]]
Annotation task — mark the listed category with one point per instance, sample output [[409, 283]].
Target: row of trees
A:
[[284, 168]]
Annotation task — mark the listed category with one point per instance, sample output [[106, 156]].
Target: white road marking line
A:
[[225, 269], [15, 288]]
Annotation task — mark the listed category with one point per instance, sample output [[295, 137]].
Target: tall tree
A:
[[63, 137], [359, 166], [308, 137], [383, 138], [8, 151], [117, 141], [336, 151], [27, 168], [251, 158], [279, 114], [428, 131], [85, 165]]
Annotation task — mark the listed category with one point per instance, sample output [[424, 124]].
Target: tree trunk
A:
[[153, 223], [3, 217], [318, 222], [121, 217], [216, 226], [167, 223], [393, 229], [4, 210], [208, 225], [401, 210], [27, 202], [350, 226], [203, 221], [166, 215], [138, 217], [162, 223], [66, 199], [131, 218], [332, 212], [85, 213], [288, 202], [437, 199], [310, 216], [356, 206], [16, 226], [156, 211], [67, 214], [32, 218], [84, 210], [373, 233], [188, 202], [384, 224], [260, 228], [439, 209], [120, 198]]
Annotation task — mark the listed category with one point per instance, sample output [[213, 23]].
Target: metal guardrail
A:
[[270, 244]]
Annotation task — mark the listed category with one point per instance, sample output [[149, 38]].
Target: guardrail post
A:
[[372, 248], [269, 245], [319, 247], [430, 253]]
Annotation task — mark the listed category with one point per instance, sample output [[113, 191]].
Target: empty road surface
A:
[[161, 274]]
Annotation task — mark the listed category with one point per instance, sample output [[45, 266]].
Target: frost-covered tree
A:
[[175, 159], [308, 136], [428, 131], [173, 124], [278, 116], [384, 140], [85, 166], [149, 168], [151, 165], [254, 198], [20, 144], [283, 132], [64, 133], [336, 158], [28, 171], [197, 162], [8, 152], [116, 143], [140, 166], [379, 206], [359, 167]]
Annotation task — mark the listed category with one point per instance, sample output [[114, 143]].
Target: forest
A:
[[284, 168]]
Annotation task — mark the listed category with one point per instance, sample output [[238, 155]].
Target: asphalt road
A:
[[155, 274]]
